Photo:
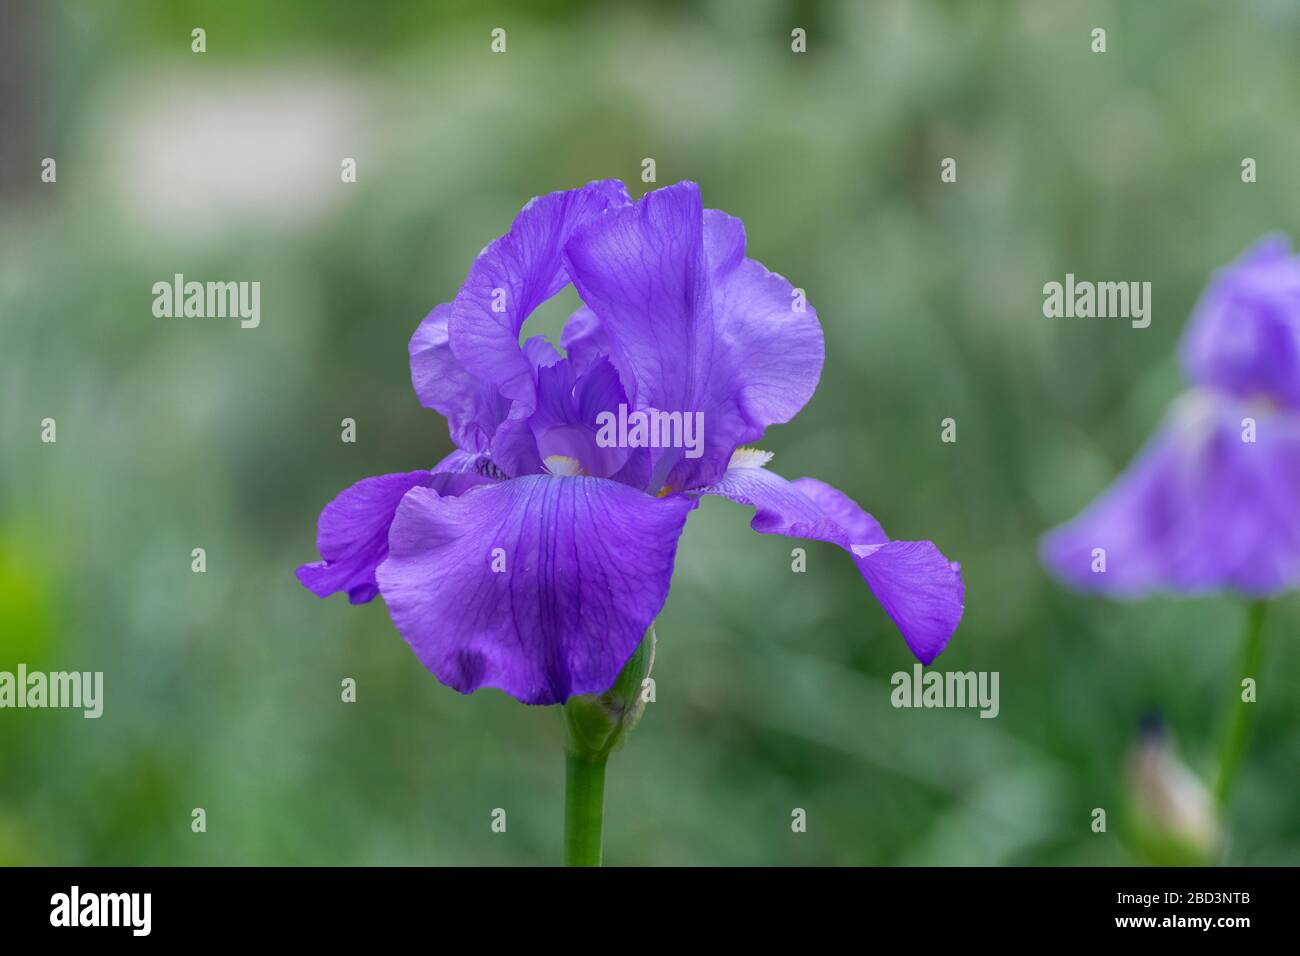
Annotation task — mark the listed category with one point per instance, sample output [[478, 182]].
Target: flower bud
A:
[[599, 723], [1173, 817]]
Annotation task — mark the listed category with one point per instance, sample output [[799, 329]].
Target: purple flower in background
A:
[[534, 558], [1213, 502], [1244, 339]]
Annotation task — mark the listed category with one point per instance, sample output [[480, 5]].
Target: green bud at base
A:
[[598, 724]]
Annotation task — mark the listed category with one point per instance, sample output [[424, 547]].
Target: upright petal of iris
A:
[[1244, 338], [694, 325]]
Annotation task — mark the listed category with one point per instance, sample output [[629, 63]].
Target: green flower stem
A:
[[1241, 715], [584, 809], [595, 726]]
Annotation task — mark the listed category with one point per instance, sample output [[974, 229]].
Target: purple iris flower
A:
[[535, 556], [1213, 502]]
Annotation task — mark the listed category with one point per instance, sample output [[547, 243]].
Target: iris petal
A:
[[466, 361], [584, 340], [772, 330], [474, 409], [1198, 510], [691, 324], [540, 586], [641, 269], [920, 589], [1244, 338], [352, 534], [513, 276]]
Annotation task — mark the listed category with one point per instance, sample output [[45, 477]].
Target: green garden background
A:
[[222, 689]]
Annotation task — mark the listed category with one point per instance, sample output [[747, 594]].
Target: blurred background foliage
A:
[[222, 689]]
